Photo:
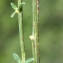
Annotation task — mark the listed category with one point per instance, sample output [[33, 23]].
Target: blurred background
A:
[[50, 27]]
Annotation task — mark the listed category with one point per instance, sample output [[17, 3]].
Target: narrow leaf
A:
[[17, 58], [12, 15], [29, 60], [21, 5], [13, 6]]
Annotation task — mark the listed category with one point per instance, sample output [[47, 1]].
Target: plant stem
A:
[[35, 31], [21, 34]]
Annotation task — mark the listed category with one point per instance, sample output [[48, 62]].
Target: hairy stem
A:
[[35, 31], [21, 34]]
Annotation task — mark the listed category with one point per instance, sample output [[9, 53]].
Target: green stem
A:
[[21, 35], [35, 31]]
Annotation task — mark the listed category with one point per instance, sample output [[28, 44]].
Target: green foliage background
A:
[[51, 31]]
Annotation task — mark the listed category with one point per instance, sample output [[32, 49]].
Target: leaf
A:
[[17, 58], [29, 60], [21, 5], [12, 15], [13, 6]]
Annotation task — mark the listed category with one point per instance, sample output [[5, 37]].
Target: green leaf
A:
[[12, 15], [13, 6], [21, 5], [17, 58], [29, 60]]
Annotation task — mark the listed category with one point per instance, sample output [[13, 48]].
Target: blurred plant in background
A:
[[51, 31]]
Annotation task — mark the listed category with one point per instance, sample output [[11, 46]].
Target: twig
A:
[[35, 31], [21, 35]]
